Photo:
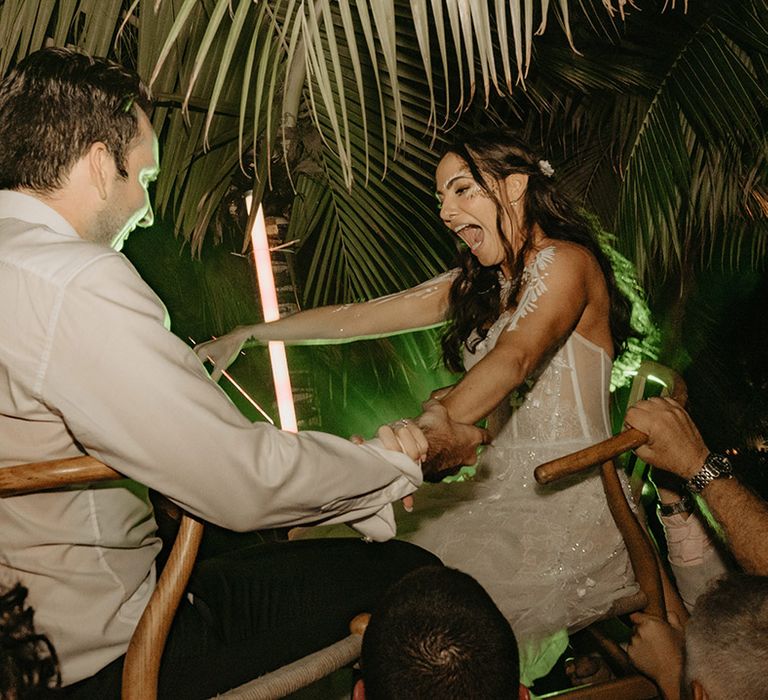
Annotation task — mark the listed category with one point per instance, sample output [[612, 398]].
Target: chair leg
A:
[[641, 551]]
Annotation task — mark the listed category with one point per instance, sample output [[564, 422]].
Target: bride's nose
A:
[[447, 212]]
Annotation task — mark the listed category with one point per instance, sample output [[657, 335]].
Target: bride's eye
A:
[[461, 190]]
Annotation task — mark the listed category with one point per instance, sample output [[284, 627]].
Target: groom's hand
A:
[[451, 444]]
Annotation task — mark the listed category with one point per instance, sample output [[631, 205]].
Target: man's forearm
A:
[[675, 445], [743, 516]]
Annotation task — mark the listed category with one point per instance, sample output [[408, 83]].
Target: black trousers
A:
[[260, 607]]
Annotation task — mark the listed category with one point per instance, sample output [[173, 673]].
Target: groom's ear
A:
[[358, 692]]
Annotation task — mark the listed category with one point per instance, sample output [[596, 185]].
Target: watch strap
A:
[[716, 466]]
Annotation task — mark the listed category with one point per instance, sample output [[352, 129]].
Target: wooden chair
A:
[[142, 660], [642, 553]]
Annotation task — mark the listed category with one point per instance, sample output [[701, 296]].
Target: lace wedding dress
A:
[[550, 556]]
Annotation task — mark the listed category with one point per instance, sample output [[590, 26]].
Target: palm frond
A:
[[672, 103], [26, 26], [306, 33], [363, 241], [695, 142], [205, 117], [661, 131]]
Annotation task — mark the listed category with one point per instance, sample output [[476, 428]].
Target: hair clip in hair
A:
[[546, 168]]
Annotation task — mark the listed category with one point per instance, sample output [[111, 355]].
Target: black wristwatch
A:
[[684, 505], [715, 466]]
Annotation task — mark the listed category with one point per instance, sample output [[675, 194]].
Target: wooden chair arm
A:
[[600, 453], [142, 660], [299, 674], [41, 476], [674, 387]]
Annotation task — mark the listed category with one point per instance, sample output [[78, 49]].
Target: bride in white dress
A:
[[534, 314]]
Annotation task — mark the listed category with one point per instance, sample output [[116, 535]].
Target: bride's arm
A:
[[419, 307], [524, 345]]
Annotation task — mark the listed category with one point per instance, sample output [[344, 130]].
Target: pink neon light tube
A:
[[280, 374]]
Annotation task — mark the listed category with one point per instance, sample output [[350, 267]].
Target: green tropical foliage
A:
[[652, 112], [334, 111]]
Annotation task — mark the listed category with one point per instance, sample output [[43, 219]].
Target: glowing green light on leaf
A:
[[646, 345]]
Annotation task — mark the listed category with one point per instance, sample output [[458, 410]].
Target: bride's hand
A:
[[404, 436], [451, 444], [221, 352]]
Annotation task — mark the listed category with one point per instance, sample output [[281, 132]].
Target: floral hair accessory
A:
[[546, 168]]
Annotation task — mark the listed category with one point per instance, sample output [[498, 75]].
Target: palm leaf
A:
[[677, 107], [383, 25], [694, 144], [358, 242], [661, 131]]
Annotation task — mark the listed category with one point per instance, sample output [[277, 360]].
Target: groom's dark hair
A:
[[56, 103], [438, 634]]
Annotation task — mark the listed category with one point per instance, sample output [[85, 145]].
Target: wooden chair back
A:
[[142, 660], [642, 553]]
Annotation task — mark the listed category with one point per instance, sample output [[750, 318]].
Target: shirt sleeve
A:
[[136, 397], [694, 557]]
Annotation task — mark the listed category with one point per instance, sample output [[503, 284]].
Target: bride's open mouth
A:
[[471, 235]]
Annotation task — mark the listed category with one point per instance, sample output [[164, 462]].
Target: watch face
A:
[[721, 464]]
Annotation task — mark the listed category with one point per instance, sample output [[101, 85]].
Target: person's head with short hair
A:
[[74, 133], [28, 664], [726, 640], [54, 104], [438, 634]]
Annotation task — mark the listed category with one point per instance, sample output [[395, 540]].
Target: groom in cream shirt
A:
[[87, 365]]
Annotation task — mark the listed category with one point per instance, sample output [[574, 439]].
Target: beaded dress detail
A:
[[551, 557]]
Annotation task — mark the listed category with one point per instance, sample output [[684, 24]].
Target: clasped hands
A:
[[439, 443]]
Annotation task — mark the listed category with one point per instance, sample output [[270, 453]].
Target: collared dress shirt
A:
[[88, 365]]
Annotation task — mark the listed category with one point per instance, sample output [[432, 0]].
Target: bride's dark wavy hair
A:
[[475, 295]]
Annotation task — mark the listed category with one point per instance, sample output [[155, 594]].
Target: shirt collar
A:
[[17, 205]]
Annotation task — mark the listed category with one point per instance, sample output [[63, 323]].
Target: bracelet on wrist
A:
[[684, 505]]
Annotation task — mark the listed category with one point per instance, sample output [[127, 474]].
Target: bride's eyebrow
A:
[[456, 176]]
